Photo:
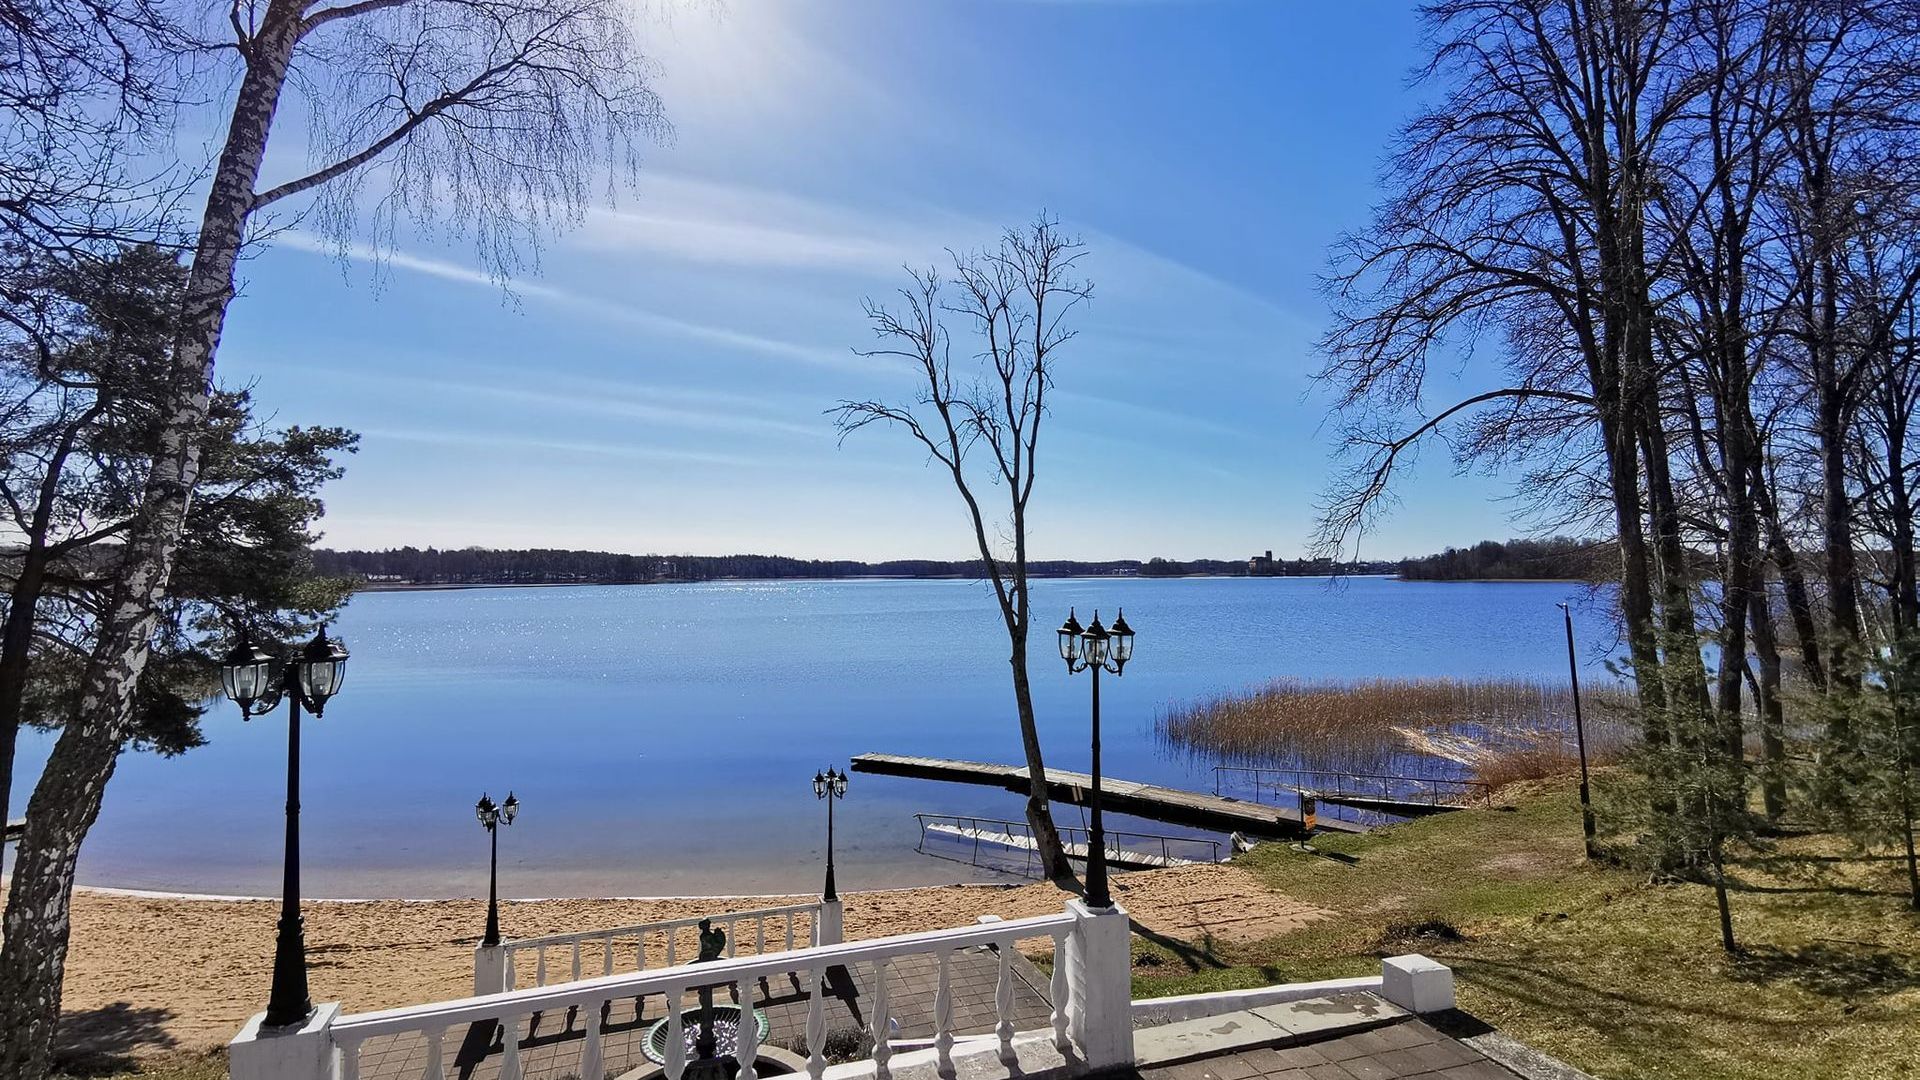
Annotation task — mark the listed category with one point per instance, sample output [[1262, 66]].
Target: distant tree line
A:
[[1558, 558], [553, 566]]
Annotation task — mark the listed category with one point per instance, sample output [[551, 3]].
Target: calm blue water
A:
[[662, 739]]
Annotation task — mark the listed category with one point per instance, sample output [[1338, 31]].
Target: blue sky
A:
[[660, 384]]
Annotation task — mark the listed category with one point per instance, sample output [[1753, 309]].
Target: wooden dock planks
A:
[[1149, 801]]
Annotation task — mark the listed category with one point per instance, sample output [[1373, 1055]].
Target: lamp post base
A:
[[304, 1052], [289, 1005]]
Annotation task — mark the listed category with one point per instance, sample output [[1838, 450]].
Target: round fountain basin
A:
[[726, 1034]]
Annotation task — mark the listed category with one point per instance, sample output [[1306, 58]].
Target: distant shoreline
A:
[[401, 586]]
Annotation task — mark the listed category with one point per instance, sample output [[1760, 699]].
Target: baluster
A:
[[590, 1064], [759, 934], [943, 1015], [673, 938], [791, 915], [640, 952], [540, 966], [1003, 1001], [576, 961], [436, 1043], [747, 1044], [732, 942], [510, 1048], [880, 1024], [513, 978], [817, 1023], [1058, 992], [676, 1034], [349, 1059]]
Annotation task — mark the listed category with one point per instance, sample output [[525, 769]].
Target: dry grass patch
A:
[[1498, 729]]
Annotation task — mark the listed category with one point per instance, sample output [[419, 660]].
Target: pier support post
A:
[[489, 969], [827, 923], [302, 1052], [1099, 984]]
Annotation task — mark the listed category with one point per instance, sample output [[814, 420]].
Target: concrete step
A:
[[1285, 1024]]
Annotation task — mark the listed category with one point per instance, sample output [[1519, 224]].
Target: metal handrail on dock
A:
[[1421, 790], [1123, 849]]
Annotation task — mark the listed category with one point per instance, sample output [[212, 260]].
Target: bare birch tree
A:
[[1014, 300], [498, 114]]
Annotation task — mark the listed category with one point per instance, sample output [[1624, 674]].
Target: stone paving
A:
[[550, 1050], [1406, 1050]]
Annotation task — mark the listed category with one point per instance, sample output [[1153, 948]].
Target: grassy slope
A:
[[1594, 964]]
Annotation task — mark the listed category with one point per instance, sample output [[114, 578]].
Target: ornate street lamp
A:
[[831, 786], [1096, 648], [256, 679], [492, 817]]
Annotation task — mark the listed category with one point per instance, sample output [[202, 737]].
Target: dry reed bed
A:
[[1495, 729]]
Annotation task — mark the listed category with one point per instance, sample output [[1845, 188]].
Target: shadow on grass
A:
[[104, 1041], [1196, 957], [1829, 969]]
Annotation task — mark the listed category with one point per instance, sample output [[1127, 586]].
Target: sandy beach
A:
[[151, 974]]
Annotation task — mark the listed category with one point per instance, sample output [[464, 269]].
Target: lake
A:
[[662, 739]]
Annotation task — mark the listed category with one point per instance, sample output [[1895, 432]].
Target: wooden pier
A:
[[1117, 857], [1149, 801]]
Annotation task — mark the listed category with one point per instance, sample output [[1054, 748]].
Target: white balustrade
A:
[[753, 923], [588, 998]]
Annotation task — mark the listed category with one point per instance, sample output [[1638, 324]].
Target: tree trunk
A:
[[67, 799], [1793, 583], [23, 604], [1053, 857], [1773, 725]]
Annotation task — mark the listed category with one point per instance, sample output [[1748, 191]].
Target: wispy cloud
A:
[[663, 406], [603, 308], [496, 441]]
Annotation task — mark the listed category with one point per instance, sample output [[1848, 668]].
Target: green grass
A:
[[1594, 963]]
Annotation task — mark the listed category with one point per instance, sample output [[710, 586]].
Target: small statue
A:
[[713, 942]]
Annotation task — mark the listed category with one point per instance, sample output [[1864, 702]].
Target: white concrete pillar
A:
[[286, 1053], [489, 969], [1100, 984], [827, 923], [1416, 983]]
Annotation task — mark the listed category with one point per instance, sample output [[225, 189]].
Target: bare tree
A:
[[500, 113], [1015, 301]]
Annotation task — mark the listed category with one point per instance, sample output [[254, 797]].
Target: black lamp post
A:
[[492, 817], [256, 680], [831, 786], [1580, 735], [1096, 648]]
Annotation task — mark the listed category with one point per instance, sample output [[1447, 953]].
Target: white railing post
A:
[[826, 923], [285, 1053], [489, 969], [1099, 984]]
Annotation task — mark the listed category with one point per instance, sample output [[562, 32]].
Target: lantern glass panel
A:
[[509, 809], [320, 679], [1096, 648]]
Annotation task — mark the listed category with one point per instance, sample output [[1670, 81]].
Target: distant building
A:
[[1262, 565]]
